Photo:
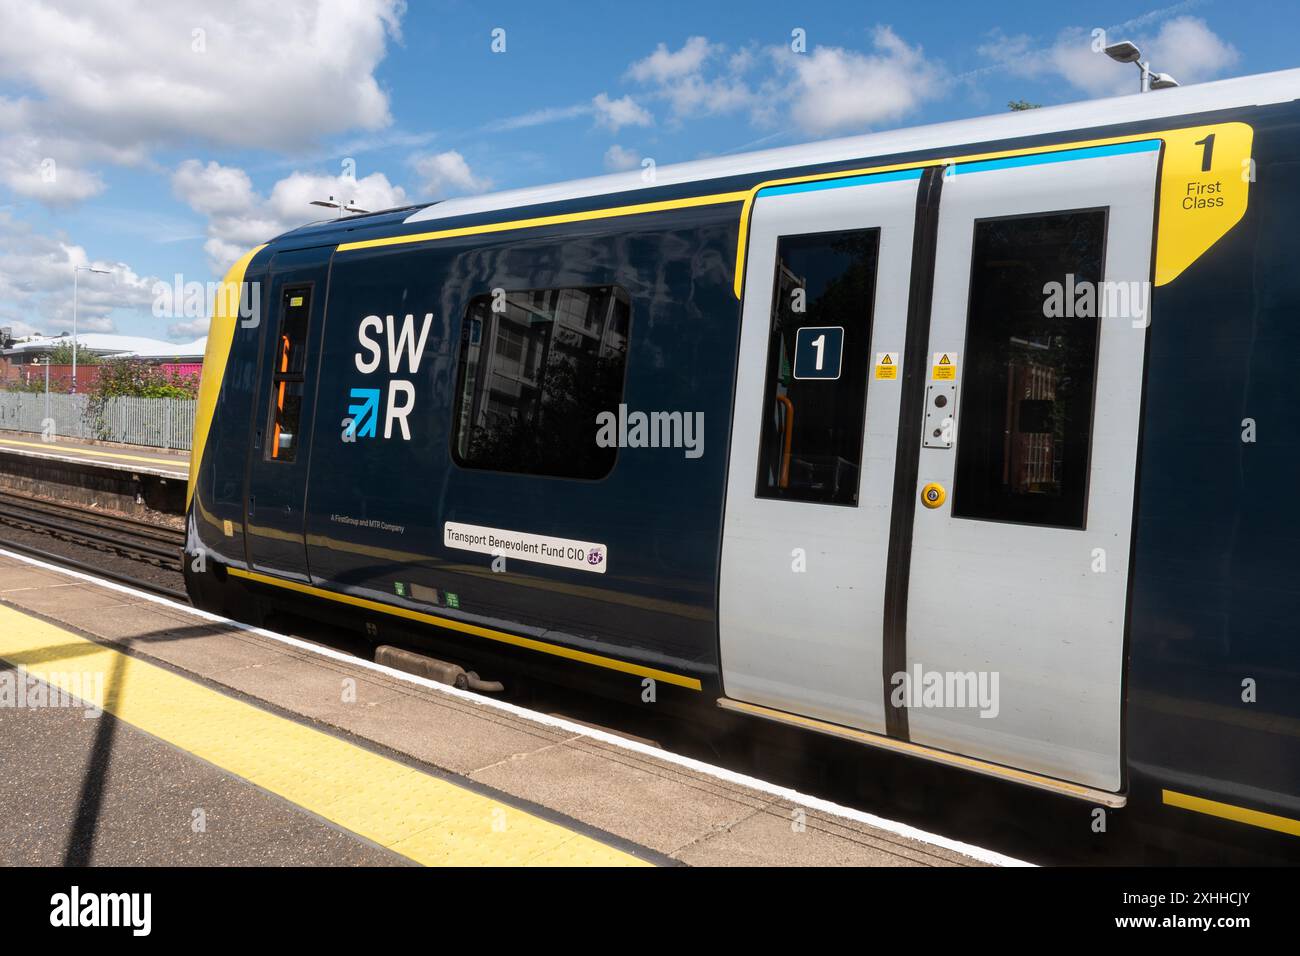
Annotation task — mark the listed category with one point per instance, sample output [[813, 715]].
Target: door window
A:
[[815, 400], [1025, 427]]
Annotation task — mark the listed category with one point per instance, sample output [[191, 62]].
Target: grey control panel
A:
[[940, 415]]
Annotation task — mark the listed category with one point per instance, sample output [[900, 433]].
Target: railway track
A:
[[128, 542]]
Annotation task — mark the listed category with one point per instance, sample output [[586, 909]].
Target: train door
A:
[[812, 457], [278, 455], [1019, 560]]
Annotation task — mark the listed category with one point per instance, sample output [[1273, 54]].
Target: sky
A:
[[161, 141]]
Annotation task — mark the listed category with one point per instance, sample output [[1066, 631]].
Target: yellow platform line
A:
[[425, 818], [51, 447], [1227, 811]]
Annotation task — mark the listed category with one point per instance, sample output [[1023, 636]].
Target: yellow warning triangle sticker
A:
[[886, 360], [945, 361]]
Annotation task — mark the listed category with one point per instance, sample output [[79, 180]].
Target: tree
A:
[[61, 354], [1017, 106]]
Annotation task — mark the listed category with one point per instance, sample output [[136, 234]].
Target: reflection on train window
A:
[[1025, 425], [287, 377], [811, 440], [536, 368]]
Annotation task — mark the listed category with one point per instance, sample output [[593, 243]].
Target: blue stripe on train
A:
[[1060, 156], [896, 176]]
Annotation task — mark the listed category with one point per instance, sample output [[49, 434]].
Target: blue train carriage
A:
[[969, 441]]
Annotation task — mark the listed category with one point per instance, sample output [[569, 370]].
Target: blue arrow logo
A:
[[365, 416]]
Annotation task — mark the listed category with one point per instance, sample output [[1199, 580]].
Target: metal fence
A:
[[156, 422]]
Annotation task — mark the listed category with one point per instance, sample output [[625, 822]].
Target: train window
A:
[[535, 370], [814, 401], [1025, 427], [287, 377]]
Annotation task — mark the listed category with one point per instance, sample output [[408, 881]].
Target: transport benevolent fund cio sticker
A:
[[541, 548]]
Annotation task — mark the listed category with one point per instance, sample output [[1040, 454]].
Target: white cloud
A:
[[1187, 48], [111, 83], [694, 80], [1073, 59], [550, 114], [48, 169], [446, 174], [615, 114], [1184, 47], [664, 66], [36, 284], [828, 89], [291, 197], [742, 60], [260, 74], [612, 114], [188, 331], [833, 89], [240, 218], [618, 159], [43, 179], [213, 188], [694, 96]]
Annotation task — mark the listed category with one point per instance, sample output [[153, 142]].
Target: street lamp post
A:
[[75, 270], [1126, 52]]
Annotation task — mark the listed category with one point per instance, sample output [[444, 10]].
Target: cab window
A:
[[290, 362]]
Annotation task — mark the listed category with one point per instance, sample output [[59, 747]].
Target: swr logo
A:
[[405, 348]]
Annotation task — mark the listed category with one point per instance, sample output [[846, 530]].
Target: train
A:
[[966, 442]]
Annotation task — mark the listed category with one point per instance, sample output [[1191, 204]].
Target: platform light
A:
[[75, 270], [1125, 51]]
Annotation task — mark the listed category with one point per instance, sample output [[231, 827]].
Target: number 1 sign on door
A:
[[818, 351]]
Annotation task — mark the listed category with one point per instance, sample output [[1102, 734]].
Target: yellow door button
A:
[[933, 495]]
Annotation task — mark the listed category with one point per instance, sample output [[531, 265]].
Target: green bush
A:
[[137, 379], [33, 386]]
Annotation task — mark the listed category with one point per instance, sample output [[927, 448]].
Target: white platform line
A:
[[720, 773], [158, 470]]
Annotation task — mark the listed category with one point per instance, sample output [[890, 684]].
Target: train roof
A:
[[1258, 90]]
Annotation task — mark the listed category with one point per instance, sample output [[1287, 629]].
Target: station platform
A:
[[153, 462], [184, 738]]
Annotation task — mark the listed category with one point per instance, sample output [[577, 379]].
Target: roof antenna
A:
[[340, 206]]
